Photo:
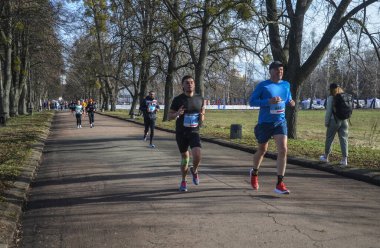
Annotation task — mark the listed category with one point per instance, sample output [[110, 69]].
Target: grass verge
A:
[[16, 140]]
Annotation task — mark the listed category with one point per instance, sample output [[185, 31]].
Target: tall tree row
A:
[[30, 56], [150, 44]]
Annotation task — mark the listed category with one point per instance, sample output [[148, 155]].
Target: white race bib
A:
[[277, 108], [191, 120], [151, 105]]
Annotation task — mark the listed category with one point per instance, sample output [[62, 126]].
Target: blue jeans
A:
[[340, 127]]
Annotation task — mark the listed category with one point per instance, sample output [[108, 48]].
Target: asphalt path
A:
[[104, 187]]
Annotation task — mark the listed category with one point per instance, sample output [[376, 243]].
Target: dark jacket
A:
[[149, 107]]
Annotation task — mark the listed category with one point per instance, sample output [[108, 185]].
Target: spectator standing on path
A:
[[90, 109], [335, 125], [149, 107], [78, 114], [188, 110], [272, 96]]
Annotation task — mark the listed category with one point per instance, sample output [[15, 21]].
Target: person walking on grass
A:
[[78, 114], [188, 110], [336, 121], [149, 107], [272, 96]]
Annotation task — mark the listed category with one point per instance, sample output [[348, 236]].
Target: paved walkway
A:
[[103, 187]]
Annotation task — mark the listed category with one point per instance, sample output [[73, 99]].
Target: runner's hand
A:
[[275, 100], [181, 110]]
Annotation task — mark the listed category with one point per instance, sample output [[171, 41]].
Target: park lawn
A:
[[16, 140], [364, 133]]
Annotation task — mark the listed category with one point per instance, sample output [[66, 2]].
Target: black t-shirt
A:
[[152, 105], [193, 107], [90, 107]]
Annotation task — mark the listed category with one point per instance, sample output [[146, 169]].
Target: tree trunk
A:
[[292, 113], [6, 36], [22, 108], [7, 79], [200, 66], [144, 76], [168, 89], [172, 64], [135, 98], [16, 69]]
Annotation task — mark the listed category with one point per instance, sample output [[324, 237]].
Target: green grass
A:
[[364, 134], [16, 139]]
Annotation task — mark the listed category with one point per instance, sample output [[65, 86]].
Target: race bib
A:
[[151, 105], [277, 108], [191, 120], [152, 108]]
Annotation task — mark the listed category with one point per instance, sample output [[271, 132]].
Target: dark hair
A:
[[185, 78], [334, 86], [275, 64]]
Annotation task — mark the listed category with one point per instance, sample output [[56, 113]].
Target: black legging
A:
[[149, 123], [79, 119], [91, 117]]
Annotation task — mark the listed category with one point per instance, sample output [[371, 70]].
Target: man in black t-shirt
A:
[[188, 110], [149, 108]]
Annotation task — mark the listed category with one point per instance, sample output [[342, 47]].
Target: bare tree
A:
[[286, 42]]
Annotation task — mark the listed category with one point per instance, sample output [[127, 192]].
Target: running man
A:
[[90, 109], [78, 114], [149, 107], [188, 110], [272, 96]]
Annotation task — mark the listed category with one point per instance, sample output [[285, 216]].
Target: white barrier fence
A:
[[216, 107], [371, 103]]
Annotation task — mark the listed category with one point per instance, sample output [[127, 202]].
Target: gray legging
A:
[[340, 127]]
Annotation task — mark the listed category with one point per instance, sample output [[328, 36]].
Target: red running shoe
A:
[[254, 180], [281, 189]]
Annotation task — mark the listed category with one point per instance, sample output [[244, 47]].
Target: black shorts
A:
[[186, 139]]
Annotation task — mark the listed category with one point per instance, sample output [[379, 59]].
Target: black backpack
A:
[[343, 106]]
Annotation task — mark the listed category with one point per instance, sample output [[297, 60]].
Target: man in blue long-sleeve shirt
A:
[[271, 96]]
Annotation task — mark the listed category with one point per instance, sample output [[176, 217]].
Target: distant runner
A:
[[78, 114], [149, 107], [90, 109], [188, 110], [272, 96]]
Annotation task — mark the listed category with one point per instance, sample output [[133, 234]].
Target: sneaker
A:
[[152, 146], [281, 189], [323, 159], [144, 139], [343, 163], [254, 180], [90, 125], [80, 126], [195, 176], [183, 186]]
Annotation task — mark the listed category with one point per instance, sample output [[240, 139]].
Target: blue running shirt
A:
[[260, 98]]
